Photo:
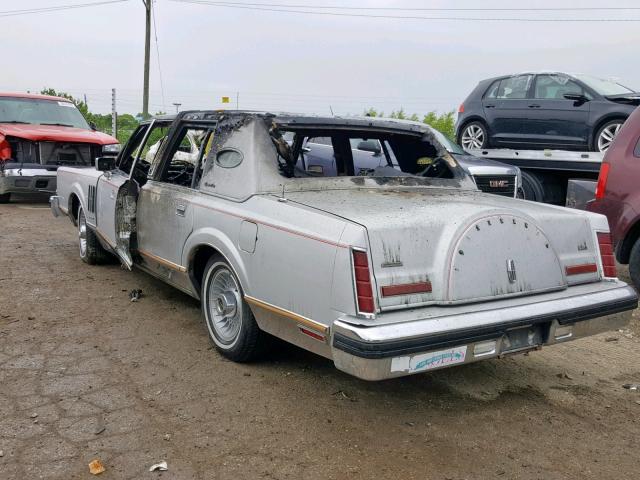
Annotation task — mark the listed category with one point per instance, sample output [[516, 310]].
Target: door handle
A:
[[180, 210], [534, 106], [489, 106]]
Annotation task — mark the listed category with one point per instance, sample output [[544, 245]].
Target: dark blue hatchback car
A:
[[544, 110]]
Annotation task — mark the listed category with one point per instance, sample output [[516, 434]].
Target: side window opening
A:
[[128, 154], [184, 157], [147, 154], [554, 87], [636, 151], [336, 154], [514, 87]]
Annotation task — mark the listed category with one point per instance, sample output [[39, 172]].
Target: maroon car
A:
[[618, 194]]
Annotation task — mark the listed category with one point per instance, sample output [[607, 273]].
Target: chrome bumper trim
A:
[[367, 351]]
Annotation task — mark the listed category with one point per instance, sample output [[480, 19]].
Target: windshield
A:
[[39, 111], [602, 86], [451, 146]]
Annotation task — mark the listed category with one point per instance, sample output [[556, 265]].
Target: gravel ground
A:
[[86, 374]]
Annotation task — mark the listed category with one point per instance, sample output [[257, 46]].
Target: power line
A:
[[29, 11], [424, 9], [405, 17], [155, 34]]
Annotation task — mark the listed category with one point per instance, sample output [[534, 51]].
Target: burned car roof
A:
[[306, 120]]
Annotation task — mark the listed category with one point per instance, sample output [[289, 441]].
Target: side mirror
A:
[[576, 97], [105, 164], [370, 146], [93, 126]]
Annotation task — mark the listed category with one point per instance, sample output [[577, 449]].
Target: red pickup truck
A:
[[618, 195], [39, 133]]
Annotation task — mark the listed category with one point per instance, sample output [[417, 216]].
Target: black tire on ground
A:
[[474, 135], [616, 123], [532, 187], [231, 326], [634, 264], [5, 198], [91, 251]]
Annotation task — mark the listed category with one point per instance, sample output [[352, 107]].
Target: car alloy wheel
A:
[[474, 136], [607, 134], [224, 306], [82, 233]]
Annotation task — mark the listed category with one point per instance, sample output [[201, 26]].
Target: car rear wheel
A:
[[605, 135], [231, 326], [474, 136], [91, 251], [634, 264]]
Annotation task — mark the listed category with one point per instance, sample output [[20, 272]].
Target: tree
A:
[[443, 122]]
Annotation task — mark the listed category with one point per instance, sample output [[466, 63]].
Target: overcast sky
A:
[[304, 63]]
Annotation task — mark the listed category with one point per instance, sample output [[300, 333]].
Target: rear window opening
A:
[[351, 153]]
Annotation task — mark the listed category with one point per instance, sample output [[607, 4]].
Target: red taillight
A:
[[461, 108], [602, 180], [364, 292], [606, 254], [5, 150]]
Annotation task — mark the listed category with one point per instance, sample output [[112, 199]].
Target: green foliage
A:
[[444, 123]]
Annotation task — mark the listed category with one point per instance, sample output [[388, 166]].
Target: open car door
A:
[[125, 220]]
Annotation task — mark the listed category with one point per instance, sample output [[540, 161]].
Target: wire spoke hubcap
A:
[[607, 135], [473, 137], [224, 306], [82, 233]]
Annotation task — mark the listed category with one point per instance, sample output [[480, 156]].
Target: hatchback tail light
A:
[[362, 277], [461, 108], [5, 150], [602, 180], [606, 254]]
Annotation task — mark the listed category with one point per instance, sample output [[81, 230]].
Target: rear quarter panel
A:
[[75, 182]]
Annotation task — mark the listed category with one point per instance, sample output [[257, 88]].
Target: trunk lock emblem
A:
[[511, 270]]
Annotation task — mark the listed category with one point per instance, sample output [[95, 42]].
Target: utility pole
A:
[[237, 100], [177, 105], [114, 114], [147, 44]]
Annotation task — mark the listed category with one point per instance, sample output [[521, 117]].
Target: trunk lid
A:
[[465, 246]]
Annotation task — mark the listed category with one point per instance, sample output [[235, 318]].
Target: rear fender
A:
[[219, 241]]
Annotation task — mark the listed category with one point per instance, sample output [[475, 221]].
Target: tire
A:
[[91, 251], [5, 198], [606, 133], [474, 135], [532, 188], [634, 264], [231, 326]]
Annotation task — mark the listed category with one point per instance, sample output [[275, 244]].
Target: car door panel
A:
[[165, 220], [553, 120], [506, 106], [107, 190]]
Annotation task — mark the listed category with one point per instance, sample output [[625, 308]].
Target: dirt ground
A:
[[85, 373]]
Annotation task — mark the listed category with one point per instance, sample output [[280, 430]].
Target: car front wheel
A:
[[229, 321], [605, 135], [91, 251], [474, 136]]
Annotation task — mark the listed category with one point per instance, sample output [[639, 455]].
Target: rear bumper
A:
[[27, 180], [376, 352]]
